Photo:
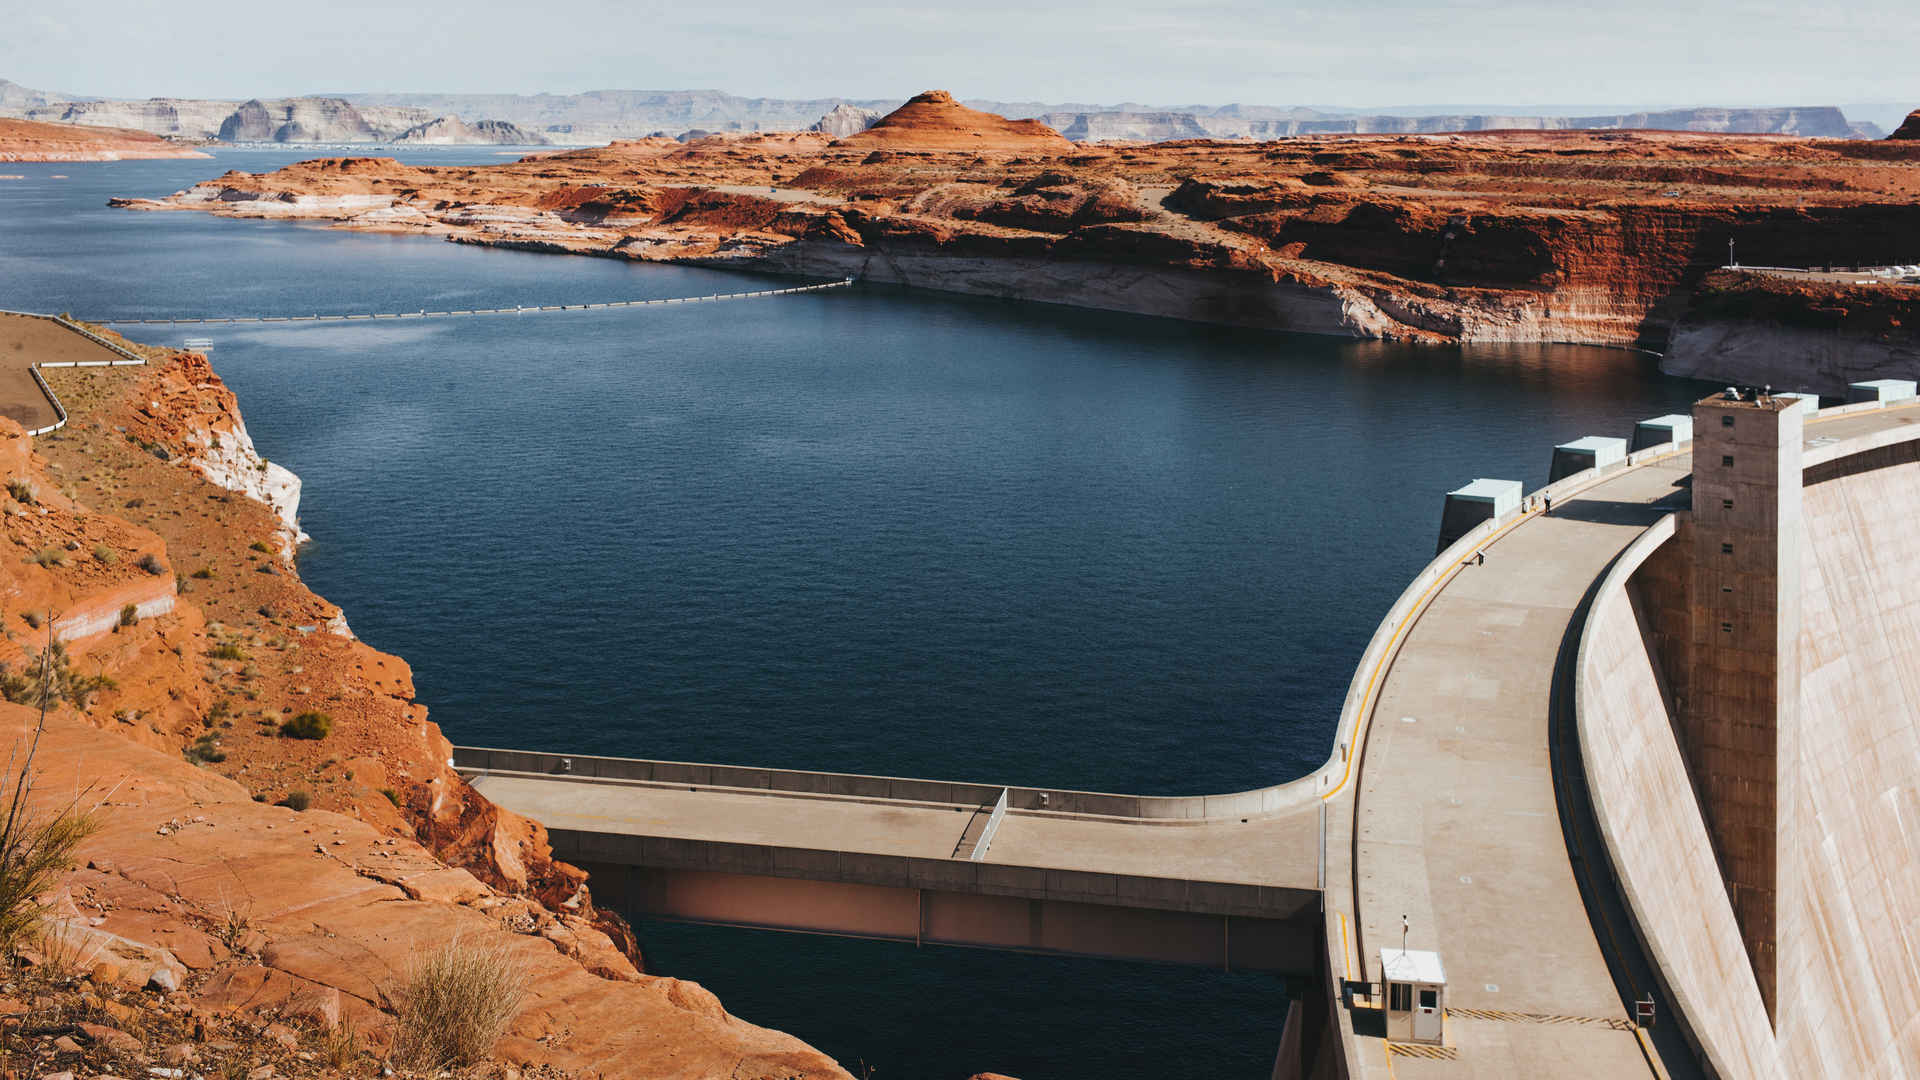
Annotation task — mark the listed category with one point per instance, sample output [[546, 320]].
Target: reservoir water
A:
[[862, 530]]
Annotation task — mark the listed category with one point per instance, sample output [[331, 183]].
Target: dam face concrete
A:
[[1740, 725], [1846, 996]]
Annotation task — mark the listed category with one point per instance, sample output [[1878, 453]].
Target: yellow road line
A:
[[1346, 952]]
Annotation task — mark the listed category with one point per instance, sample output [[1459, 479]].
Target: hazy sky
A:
[[1357, 52]]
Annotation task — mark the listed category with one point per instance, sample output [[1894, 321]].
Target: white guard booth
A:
[[1416, 996]]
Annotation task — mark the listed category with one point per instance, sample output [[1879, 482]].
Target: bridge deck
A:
[[1278, 851]]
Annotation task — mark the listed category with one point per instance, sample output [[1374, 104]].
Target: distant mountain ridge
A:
[[1819, 122], [277, 120], [600, 116], [603, 115]]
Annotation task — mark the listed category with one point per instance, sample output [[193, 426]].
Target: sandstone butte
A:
[[1574, 236], [28, 140], [139, 535]]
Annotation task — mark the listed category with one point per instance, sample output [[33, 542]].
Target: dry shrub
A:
[[36, 848], [457, 1002]]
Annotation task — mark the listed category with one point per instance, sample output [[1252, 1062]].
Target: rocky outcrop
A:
[[1910, 128], [299, 120], [844, 120], [1800, 332], [172, 117], [452, 131], [935, 121], [25, 140], [1127, 126]]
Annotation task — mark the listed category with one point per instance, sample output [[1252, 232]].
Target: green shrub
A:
[[103, 553], [206, 748], [308, 725], [296, 800], [226, 650], [151, 564], [392, 795], [48, 678], [130, 615], [261, 546], [203, 573], [22, 492], [50, 556]]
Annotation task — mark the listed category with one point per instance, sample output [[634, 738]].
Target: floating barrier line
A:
[[425, 314]]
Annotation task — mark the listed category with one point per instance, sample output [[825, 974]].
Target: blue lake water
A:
[[863, 530]]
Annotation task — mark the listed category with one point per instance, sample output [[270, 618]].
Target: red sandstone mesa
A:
[[28, 140], [1582, 236]]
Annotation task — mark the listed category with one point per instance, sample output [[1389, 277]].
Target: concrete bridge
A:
[[1456, 807]]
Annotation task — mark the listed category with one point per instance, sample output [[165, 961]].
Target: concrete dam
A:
[[1627, 784]]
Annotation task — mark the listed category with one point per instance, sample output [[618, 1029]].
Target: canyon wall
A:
[[1815, 333]]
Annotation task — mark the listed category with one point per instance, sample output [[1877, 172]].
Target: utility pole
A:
[[1731, 261]]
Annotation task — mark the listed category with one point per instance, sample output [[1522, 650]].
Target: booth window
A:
[[1399, 997], [1429, 999]]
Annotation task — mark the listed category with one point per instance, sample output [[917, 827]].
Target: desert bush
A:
[[206, 749], [308, 725], [50, 556], [261, 546], [296, 800], [203, 573], [22, 492], [103, 553], [392, 795], [151, 564], [49, 679], [130, 615], [226, 650], [456, 1003], [36, 846]]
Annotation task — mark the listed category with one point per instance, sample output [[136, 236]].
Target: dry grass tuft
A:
[[457, 1002]]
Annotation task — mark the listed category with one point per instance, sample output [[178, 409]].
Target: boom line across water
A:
[[516, 310]]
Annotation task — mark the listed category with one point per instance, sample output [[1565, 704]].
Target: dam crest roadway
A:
[[1452, 810]]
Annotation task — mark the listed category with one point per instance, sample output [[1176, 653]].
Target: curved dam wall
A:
[[1849, 925]]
